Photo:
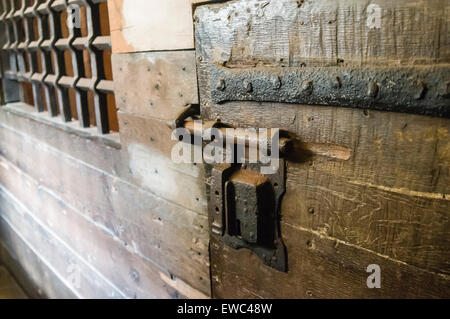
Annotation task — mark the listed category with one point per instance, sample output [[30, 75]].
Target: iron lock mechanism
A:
[[243, 203], [244, 210]]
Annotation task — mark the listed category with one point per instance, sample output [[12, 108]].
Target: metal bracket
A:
[[244, 210], [421, 90]]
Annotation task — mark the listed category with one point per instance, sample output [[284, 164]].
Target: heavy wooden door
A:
[[362, 87]]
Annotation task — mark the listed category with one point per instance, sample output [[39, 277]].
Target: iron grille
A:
[[33, 52]]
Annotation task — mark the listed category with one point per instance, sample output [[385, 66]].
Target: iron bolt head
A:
[[248, 86], [307, 87], [221, 85], [421, 90], [276, 82], [373, 89], [336, 82]]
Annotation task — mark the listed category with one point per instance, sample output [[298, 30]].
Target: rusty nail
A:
[[221, 85], [307, 87], [248, 86], [373, 89]]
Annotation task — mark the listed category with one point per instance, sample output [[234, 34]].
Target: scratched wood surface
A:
[[133, 276], [146, 224], [72, 195], [363, 187]]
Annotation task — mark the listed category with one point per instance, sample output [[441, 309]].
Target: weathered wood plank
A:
[[351, 166], [382, 145], [167, 25], [378, 158], [156, 226], [155, 84], [37, 277], [294, 33], [413, 229], [84, 144], [147, 147], [55, 253], [319, 267], [133, 274], [135, 160]]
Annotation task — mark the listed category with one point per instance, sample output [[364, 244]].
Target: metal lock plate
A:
[[244, 210]]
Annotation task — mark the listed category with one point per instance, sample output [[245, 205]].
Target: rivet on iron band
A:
[[248, 86], [307, 87], [421, 90], [373, 89], [221, 85]]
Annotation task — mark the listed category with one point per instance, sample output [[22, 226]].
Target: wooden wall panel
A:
[[373, 184], [151, 25], [319, 267], [144, 136], [147, 146], [53, 252], [134, 275], [155, 84], [34, 275], [343, 32], [155, 226], [121, 191]]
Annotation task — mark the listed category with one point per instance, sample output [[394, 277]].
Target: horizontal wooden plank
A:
[[293, 33], [319, 267], [37, 277], [155, 84], [147, 148], [151, 25], [117, 160], [412, 229], [173, 237], [403, 152], [379, 180], [102, 152], [56, 254], [133, 274]]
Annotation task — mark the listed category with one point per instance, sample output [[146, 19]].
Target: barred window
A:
[[56, 56]]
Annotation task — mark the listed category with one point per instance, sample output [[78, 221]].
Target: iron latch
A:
[[244, 203], [244, 210]]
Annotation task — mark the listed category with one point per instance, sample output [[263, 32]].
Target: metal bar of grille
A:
[[33, 52]]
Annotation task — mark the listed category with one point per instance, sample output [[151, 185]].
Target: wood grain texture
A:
[[167, 25], [147, 146], [155, 84], [53, 252], [148, 138], [293, 33], [157, 228], [375, 184], [38, 279], [410, 228], [319, 267], [134, 275]]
